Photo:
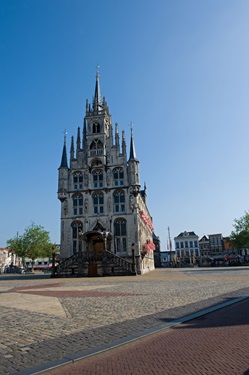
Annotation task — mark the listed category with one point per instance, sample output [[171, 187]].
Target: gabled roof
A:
[[204, 239], [187, 234]]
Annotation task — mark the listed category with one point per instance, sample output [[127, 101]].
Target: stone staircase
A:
[[97, 263]]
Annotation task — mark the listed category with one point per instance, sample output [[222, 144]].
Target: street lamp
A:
[[133, 255], [104, 236], [80, 235], [53, 261]]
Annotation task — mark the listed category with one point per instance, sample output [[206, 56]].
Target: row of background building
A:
[[188, 249]]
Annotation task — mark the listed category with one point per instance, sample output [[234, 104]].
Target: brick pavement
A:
[[44, 319], [217, 343]]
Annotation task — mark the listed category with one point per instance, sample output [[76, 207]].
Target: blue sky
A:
[[178, 69]]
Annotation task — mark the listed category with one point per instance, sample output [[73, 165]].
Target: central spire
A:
[[97, 101]]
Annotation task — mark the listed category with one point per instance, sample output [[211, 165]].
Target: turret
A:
[[78, 140], [117, 138], [97, 101], [133, 170], [72, 149], [123, 143], [63, 174]]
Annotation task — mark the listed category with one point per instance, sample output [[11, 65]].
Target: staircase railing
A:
[[91, 257], [120, 261]]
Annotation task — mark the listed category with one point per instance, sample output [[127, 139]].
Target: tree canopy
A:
[[34, 243], [239, 237]]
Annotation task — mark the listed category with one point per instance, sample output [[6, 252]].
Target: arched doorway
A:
[[95, 246]]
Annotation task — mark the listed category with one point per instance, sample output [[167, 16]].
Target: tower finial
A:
[[65, 136], [132, 146], [131, 127], [64, 163], [97, 101]]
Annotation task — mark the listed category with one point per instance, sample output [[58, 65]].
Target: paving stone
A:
[[102, 310]]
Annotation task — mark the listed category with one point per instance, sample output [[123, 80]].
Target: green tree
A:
[[37, 242], [16, 245], [34, 243], [239, 238]]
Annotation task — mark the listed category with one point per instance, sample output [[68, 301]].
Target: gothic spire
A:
[[132, 146], [64, 163], [72, 148], [97, 101], [84, 140], [78, 139], [116, 135], [123, 143]]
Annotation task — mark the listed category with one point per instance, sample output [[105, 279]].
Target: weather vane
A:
[[97, 70], [65, 135], [131, 127]]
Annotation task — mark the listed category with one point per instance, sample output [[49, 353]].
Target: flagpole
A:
[[170, 246]]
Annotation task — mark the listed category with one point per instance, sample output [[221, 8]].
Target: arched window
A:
[[78, 181], [98, 203], [118, 177], [77, 228], [119, 201], [97, 178], [120, 245], [96, 128], [77, 204], [96, 148]]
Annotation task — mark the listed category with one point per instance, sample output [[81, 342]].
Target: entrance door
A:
[[98, 245], [92, 269]]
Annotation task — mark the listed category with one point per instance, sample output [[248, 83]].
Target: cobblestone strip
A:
[[30, 338], [50, 348]]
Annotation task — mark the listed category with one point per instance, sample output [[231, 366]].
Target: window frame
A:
[[119, 201], [98, 203], [119, 180], [77, 227], [77, 181], [120, 235], [97, 182], [77, 204]]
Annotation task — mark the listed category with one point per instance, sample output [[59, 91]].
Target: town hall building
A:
[[106, 227]]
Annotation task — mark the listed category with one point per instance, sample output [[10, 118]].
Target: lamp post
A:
[[53, 261], [80, 236], [79, 256], [170, 247], [133, 256]]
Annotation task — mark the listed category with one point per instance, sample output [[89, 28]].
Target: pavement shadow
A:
[[42, 276], [232, 315]]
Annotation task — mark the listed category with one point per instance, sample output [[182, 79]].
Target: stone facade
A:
[[187, 246], [102, 204]]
